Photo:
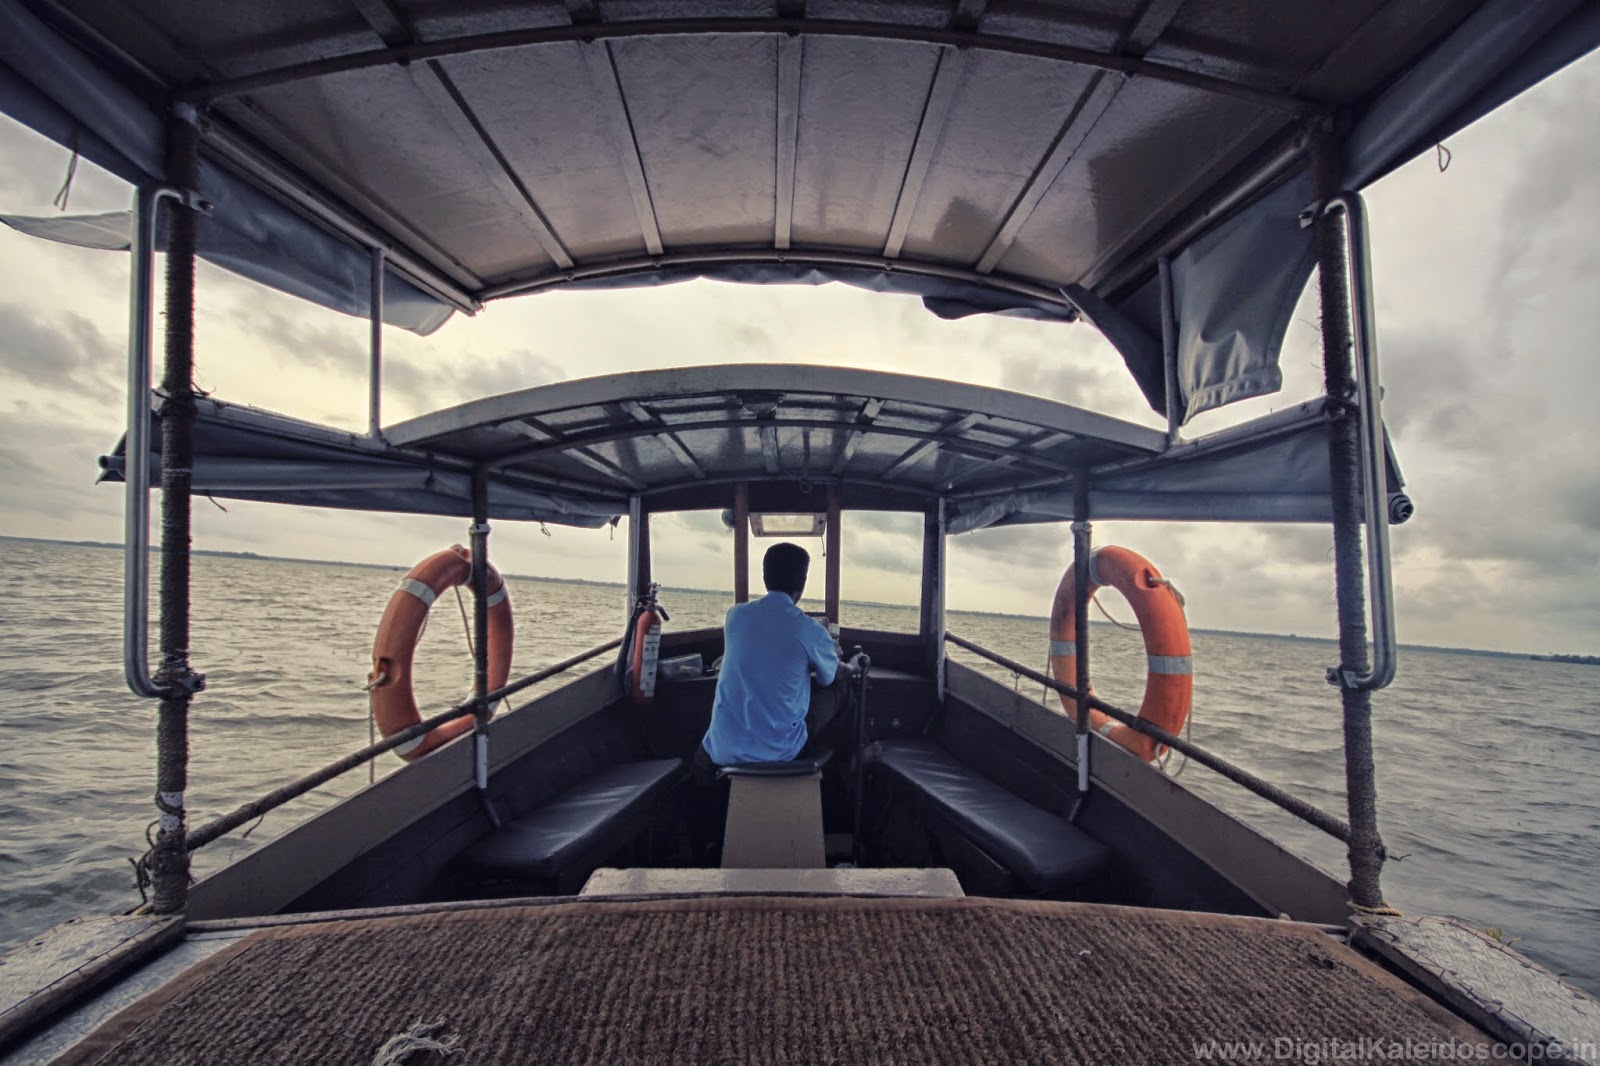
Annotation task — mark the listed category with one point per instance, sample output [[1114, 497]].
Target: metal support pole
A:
[[478, 578], [929, 593], [375, 371], [630, 596], [741, 543], [136, 449], [1169, 347], [168, 862], [1374, 448], [830, 541], [642, 565], [1081, 561], [941, 546], [1366, 850]]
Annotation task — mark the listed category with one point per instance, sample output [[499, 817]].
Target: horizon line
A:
[[221, 553]]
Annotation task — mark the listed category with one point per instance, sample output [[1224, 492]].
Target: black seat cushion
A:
[[602, 813], [1044, 850], [804, 766]]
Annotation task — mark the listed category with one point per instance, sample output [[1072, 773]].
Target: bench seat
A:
[[591, 820], [1043, 850]]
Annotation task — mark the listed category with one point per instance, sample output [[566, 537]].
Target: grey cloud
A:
[[905, 558], [701, 522], [1036, 542], [1301, 544], [428, 385], [66, 352], [1431, 391], [881, 522], [1557, 170], [49, 468]]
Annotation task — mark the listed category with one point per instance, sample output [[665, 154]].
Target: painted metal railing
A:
[[249, 812], [1307, 812]]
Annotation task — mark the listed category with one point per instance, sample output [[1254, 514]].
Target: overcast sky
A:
[[1487, 277]]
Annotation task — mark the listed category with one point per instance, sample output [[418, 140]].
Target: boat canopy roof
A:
[[990, 156], [578, 452]]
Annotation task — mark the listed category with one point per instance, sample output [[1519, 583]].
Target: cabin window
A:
[[788, 525]]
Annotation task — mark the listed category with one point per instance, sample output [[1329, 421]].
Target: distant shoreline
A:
[[1585, 660]]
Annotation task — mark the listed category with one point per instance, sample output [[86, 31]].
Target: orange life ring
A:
[[1169, 686], [394, 704]]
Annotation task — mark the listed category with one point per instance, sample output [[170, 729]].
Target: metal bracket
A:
[[1374, 474]]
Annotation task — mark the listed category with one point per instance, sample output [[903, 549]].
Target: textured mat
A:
[[776, 981]]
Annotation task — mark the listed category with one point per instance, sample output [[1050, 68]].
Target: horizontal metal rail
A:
[[199, 838], [1307, 812]]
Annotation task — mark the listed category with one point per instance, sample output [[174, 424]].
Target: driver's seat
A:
[[775, 814]]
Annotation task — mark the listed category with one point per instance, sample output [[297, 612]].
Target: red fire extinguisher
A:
[[641, 648]]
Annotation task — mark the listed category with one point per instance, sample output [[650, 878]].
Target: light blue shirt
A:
[[764, 689]]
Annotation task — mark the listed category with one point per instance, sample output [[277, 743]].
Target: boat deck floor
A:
[[773, 979]]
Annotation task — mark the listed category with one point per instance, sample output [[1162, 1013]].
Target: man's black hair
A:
[[784, 568]]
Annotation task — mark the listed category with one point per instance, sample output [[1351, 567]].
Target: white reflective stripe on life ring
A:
[[497, 597], [1106, 728], [1094, 573], [1064, 647], [410, 746], [1170, 664], [417, 589]]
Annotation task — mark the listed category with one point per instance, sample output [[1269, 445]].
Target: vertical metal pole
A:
[[1374, 448], [169, 858], [631, 596], [741, 542], [136, 450], [1169, 347], [939, 571], [927, 622], [642, 566], [1081, 532], [375, 371], [830, 541], [479, 580], [1344, 457]]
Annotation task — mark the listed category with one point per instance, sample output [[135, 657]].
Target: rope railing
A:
[[1307, 812], [209, 832]]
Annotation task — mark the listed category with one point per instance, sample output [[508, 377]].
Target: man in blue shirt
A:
[[781, 688]]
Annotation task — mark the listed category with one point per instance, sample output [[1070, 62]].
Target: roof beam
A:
[[640, 413], [522, 38], [608, 94], [945, 437], [769, 448], [968, 14], [941, 95], [1092, 106], [1037, 443], [439, 90], [557, 441], [922, 447], [852, 440], [791, 57]]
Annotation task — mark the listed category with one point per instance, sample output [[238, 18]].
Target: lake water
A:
[[1488, 794]]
